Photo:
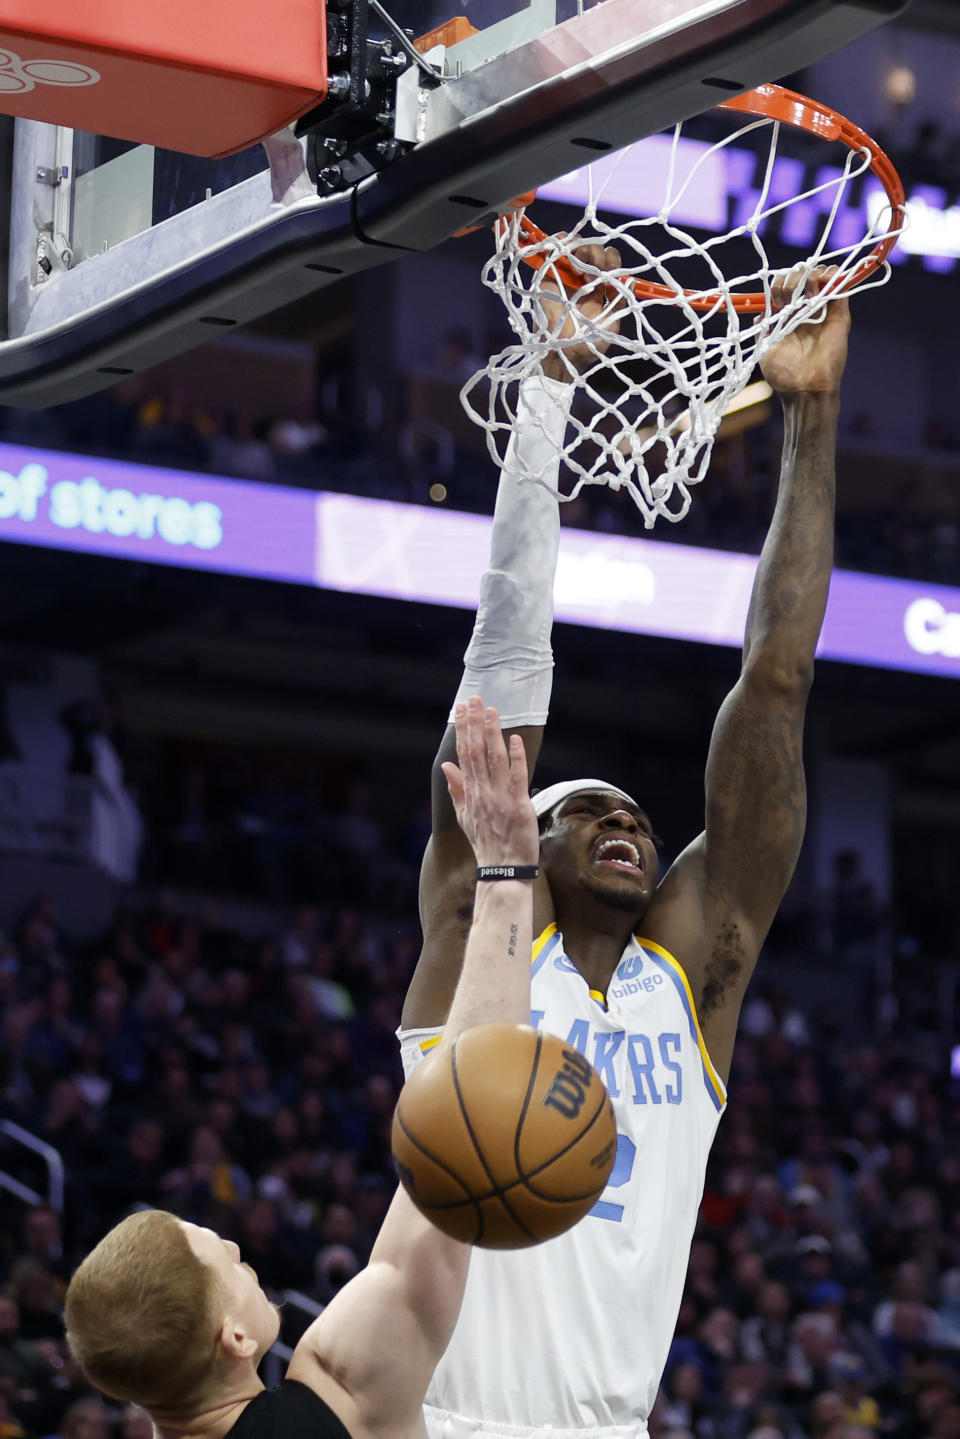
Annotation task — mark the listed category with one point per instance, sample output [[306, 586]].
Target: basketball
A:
[[506, 1138]]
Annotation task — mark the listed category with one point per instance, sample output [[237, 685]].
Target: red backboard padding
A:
[[205, 76]]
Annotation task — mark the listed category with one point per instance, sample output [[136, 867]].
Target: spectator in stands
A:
[[208, 1182], [70, 1124], [333, 1267], [702, 1273], [172, 1100], [133, 1169], [271, 1247], [907, 1341], [949, 1310], [136, 1423], [744, 1387], [331, 998], [768, 1217], [814, 1339], [683, 1407], [37, 1293], [909, 1288], [37, 937], [747, 1280], [719, 1337], [86, 1419], [55, 1036], [27, 1370], [849, 1374], [765, 1336], [118, 1028], [826, 1414], [945, 1423], [43, 1240]]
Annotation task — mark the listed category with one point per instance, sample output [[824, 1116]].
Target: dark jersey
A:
[[291, 1411]]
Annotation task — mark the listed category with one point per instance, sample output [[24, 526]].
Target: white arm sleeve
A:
[[509, 660]]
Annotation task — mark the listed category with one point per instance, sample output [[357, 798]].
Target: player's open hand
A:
[[489, 789], [811, 361], [581, 327]]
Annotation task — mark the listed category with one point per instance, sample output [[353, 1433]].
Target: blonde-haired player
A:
[[165, 1315], [644, 973]]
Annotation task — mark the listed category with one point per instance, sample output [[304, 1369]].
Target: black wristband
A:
[[508, 871]]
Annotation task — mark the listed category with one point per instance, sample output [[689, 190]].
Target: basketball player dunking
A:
[[643, 973], [163, 1313]]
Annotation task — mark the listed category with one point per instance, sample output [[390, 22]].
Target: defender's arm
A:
[[372, 1352], [728, 884]]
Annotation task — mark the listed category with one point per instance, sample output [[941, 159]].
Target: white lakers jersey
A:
[[574, 1333]]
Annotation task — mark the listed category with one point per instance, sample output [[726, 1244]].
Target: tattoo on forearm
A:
[[512, 942]]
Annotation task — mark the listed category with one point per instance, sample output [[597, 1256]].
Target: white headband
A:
[[555, 794]]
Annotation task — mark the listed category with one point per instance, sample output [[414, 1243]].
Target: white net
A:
[[653, 377]]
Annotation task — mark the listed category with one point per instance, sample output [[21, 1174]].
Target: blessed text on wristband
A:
[[507, 871]]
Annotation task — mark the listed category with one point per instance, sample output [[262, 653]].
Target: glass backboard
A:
[[122, 255]]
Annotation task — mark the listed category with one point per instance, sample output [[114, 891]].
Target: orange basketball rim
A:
[[767, 102]]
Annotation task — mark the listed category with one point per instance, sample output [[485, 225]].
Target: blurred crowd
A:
[[822, 1295], [414, 445], [248, 1084], [281, 827]]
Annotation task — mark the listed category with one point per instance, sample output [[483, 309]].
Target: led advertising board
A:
[[436, 556]]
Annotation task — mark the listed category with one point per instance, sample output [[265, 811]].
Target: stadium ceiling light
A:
[[901, 85]]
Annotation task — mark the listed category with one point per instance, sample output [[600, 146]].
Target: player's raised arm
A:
[[372, 1352], [728, 883], [509, 659]]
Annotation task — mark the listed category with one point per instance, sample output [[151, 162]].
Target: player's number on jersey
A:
[[619, 1175]]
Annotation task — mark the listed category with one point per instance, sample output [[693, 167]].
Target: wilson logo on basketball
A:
[[569, 1090], [19, 77]]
